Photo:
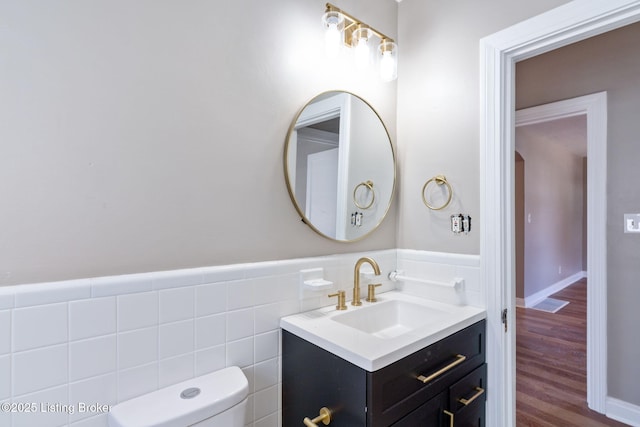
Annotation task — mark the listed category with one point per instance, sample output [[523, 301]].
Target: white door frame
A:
[[595, 108], [574, 21]]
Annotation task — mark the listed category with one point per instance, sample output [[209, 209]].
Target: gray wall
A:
[[148, 135], [611, 63], [438, 132], [553, 199], [438, 110]]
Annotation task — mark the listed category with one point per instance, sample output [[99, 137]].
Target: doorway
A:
[[550, 240], [594, 108], [550, 210], [573, 21]]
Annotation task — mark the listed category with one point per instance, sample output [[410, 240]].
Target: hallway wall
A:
[[554, 212]]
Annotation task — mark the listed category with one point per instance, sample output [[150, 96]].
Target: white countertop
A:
[[371, 352]]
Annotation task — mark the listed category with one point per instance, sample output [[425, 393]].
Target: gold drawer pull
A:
[[450, 418], [479, 391], [325, 417], [459, 359]]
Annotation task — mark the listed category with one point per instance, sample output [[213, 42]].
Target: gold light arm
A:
[[354, 23]]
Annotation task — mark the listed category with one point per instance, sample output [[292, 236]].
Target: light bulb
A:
[[361, 53], [332, 41], [333, 23], [388, 60]]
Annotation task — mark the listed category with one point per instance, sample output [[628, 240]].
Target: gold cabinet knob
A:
[[341, 300], [371, 295], [325, 417]]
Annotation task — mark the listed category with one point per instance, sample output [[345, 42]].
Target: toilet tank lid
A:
[[219, 391]]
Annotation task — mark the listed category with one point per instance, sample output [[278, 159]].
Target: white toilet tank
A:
[[218, 399]]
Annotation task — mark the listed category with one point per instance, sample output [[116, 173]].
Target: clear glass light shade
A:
[[333, 23], [360, 43], [388, 55]]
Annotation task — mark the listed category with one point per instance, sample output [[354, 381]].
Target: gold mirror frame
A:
[[385, 182]]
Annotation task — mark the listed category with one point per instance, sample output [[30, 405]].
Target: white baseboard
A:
[[623, 411], [533, 299]]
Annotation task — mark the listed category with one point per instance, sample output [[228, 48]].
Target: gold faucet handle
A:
[[341, 300], [371, 295]]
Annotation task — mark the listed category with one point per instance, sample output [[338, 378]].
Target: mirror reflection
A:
[[340, 166]]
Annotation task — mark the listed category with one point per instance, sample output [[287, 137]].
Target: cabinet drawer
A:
[[396, 390], [429, 414]]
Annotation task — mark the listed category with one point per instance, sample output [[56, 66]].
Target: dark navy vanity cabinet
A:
[[443, 384]]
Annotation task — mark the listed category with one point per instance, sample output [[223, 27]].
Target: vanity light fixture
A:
[[342, 29]]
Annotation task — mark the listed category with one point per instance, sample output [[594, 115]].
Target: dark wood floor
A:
[[551, 363]]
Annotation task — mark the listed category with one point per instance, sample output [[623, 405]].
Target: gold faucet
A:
[[356, 277]]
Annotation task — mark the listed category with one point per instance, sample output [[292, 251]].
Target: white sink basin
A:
[[390, 319], [375, 335]]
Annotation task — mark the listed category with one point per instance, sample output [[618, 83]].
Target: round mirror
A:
[[340, 166]]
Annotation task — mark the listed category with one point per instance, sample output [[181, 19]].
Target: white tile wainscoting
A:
[[104, 340], [442, 267]]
